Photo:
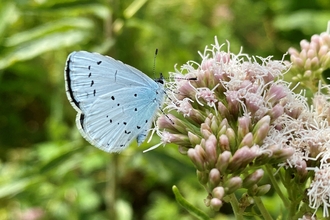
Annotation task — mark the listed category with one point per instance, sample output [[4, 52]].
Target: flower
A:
[[319, 190], [313, 59], [227, 120]]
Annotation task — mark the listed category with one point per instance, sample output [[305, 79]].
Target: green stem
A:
[[111, 186], [189, 207], [276, 186], [262, 208], [234, 205]]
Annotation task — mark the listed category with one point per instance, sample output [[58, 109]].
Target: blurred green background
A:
[[47, 170]]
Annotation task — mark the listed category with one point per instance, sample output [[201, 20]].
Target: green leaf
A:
[[47, 28], [34, 48], [189, 207], [17, 186]]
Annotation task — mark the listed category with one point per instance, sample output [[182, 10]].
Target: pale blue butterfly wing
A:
[[115, 102]]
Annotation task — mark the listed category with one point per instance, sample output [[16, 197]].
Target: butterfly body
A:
[[115, 102]]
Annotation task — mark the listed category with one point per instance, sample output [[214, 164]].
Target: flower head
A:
[[309, 63], [227, 117]]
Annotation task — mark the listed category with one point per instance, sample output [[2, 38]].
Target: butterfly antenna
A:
[[154, 67]]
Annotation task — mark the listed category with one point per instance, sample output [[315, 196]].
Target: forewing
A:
[[91, 75]]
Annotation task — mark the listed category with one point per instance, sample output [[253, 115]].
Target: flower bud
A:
[[260, 134], [164, 123], [223, 110], [280, 154], [247, 140], [214, 178], [262, 190], [275, 93], [233, 103], [223, 161], [206, 131], [224, 143], [215, 204], [253, 178], [196, 159], [211, 151], [242, 158], [276, 111], [230, 133], [194, 139], [301, 169], [244, 124], [323, 50], [262, 121], [218, 192], [233, 184]]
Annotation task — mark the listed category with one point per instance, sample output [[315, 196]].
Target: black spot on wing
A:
[[138, 127], [99, 62], [94, 92], [112, 97], [92, 83], [90, 74]]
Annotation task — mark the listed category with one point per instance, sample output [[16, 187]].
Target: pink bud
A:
[[223, 110], [223, 161], [253, 178], [323, 50], [196, 159], [215, 204], [315, 63], [293, 52], [308, 64], [230, 133], [241, 158], [263, 120], [224, 142], [218, 192], [194, 139], [303, 54], [262, 190], [311, 53], [304, 44], [276, 111], [261, 134], [247, 140], [214, 178], [211, 151], [233, 184], [276, 92], [244, 124]]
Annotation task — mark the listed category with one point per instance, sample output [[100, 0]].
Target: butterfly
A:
[[116, 103]]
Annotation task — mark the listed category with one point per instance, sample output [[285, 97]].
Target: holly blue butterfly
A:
[[115, 102]]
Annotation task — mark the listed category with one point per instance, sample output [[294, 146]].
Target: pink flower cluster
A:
[[226, 121]]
